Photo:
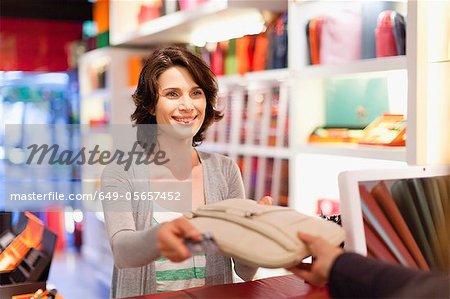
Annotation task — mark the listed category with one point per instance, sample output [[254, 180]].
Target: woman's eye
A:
[[198, 92], [171, 94]]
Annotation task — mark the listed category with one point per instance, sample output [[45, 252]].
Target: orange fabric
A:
[[260, 53], [101, 15], [315, 30], [242, 53], [55, 223], [134, 69]]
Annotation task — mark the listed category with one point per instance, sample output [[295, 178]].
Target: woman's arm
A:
[[130, 248], [136, 248], [133, 249]]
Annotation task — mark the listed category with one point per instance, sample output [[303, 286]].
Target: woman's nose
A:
[[186, 104]]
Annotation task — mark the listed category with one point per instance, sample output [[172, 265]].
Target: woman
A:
[[177, 91]]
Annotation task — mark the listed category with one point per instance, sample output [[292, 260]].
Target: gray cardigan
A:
[[133, 238]]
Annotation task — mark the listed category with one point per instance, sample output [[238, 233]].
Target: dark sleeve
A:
[[355, 276]]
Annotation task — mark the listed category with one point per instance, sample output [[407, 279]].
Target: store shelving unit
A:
[[112, 102], [181, 27], [105, 100], [113, 96], [365, 66], [260, 77], [416, 89], [417, 85], [314, 167], [272, 162], [429, 88], [355, 150], [247, 150], [254, 131], [178, 27]]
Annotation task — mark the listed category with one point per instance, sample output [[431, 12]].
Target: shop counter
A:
[[288, 286]]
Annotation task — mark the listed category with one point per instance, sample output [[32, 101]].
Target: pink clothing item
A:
[[341, 37]]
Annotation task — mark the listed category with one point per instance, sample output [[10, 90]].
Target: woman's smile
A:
[[185, 120]]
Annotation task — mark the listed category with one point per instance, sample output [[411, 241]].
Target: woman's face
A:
[[181, 103]]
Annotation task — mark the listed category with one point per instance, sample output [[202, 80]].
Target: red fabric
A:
[[149, 12], [384, 36], [55, 223], [36, 45], [280, 287], [217, 60]]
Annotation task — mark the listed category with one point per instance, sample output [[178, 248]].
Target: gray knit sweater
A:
[[133, 238]]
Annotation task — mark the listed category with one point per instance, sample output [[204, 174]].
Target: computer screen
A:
[[401, 216]]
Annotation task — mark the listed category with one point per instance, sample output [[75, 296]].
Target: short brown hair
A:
[[147, 93]]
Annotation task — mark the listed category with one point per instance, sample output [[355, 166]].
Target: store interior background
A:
[[77, 62]]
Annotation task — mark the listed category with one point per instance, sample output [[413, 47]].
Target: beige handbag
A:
[[260, 235]]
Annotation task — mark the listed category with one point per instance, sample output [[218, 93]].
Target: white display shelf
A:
[[247, 150], [355, 150], [178, 26], [261, 77], [97, 93], [440, 61], [100, 55], [384, 64]]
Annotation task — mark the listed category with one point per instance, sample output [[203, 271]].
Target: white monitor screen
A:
[[399, 216]]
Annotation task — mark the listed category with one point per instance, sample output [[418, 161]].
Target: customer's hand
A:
[[324, 253], [171, 236], [266, 201]]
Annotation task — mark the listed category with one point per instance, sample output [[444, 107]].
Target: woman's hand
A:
[[266, 201], [171, 236]]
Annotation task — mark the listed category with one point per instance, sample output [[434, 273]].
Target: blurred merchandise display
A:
[[24, 50], [264, 51], [25, 256], [151, 9], [339, 78], [328, 207], [355, 32], [335, 134], [388, 130], [30, 100], [390, 34], [101, 15]]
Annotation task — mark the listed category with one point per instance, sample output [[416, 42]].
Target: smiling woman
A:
[[176, 74], [176, 95], [181, 101]]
